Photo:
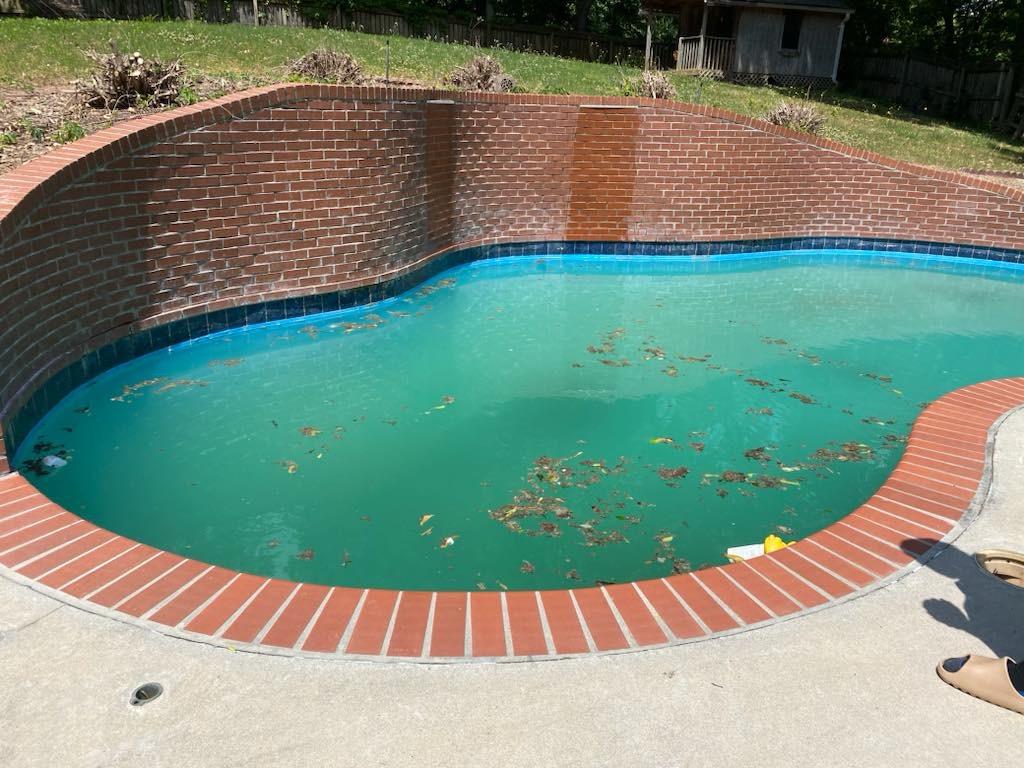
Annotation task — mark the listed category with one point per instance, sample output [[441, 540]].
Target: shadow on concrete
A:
[[993, 611]]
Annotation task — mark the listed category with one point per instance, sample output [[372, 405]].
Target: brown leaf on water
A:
[[760, 411], [174, 383], [877, 377], [759, 454], [427, 531], [805, 399], [697, 446], [550, 529], [732, 476], [573, 575], [309, 431], [481, 585], [878, 422], [310, 330], [290, 466], [306, 554], [346, 560], [129, 391], [769, 340], [448, 541], [527, 567], [273, 543], [758, 382], [424, 518], [671, 371], [671, 473]]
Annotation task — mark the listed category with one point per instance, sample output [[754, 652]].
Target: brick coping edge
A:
[[933, 493]]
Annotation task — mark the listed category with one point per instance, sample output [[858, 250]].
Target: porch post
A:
[[839, 46], [703, 29]]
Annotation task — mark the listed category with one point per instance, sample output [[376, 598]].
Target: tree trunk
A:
[[583, 15], [1017, 52], [948, 30]]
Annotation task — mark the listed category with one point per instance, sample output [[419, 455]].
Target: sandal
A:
[[984, 678]]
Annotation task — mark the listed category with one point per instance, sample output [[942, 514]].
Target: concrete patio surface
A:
[[850, 685]]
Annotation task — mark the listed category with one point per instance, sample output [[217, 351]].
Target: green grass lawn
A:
[[36, 53]]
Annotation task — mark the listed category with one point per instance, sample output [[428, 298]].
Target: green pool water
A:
[[533, 423]]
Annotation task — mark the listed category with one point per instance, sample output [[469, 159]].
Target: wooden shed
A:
[[789, 42]]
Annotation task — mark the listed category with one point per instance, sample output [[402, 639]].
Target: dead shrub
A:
[[649, 85], [799, 117], [122, 81], [482, 73], [327, 65]]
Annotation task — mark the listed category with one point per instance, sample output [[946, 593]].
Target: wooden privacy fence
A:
[[379, 22], [982, 93]]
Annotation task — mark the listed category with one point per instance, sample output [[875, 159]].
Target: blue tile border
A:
[[47, 395]]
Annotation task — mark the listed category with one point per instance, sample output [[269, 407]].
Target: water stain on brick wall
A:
[[603, 175], [440, 159]]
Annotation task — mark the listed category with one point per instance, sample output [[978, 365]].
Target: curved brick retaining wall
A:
[[298, 190]]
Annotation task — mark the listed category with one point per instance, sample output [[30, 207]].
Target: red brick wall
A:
[[292, 189]]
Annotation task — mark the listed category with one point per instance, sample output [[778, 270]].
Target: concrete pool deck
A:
[[850, 685]]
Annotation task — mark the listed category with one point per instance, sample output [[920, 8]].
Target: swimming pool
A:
[[534, 422], [288, 201]]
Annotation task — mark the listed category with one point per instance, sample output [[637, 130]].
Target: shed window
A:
[[791, 30]]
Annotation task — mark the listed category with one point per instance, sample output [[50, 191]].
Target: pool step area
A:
[[933, 491]]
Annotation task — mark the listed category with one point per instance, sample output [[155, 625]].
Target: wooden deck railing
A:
[[711, 55]]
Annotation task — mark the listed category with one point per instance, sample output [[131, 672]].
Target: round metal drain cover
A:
[[1004, 565], [146, 693]]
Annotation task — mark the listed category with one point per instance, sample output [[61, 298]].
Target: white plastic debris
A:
[[744, 552], [54, 461]]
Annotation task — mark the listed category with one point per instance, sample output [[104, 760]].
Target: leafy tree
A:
[[967, 30]]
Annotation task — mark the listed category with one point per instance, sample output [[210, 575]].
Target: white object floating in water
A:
[[744, 552], [53, 461]]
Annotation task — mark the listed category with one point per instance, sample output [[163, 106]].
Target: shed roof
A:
[[823, 6]]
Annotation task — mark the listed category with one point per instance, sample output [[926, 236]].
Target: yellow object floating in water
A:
[[773, 543]]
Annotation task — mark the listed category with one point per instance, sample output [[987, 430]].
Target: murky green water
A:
[[533, 423]]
